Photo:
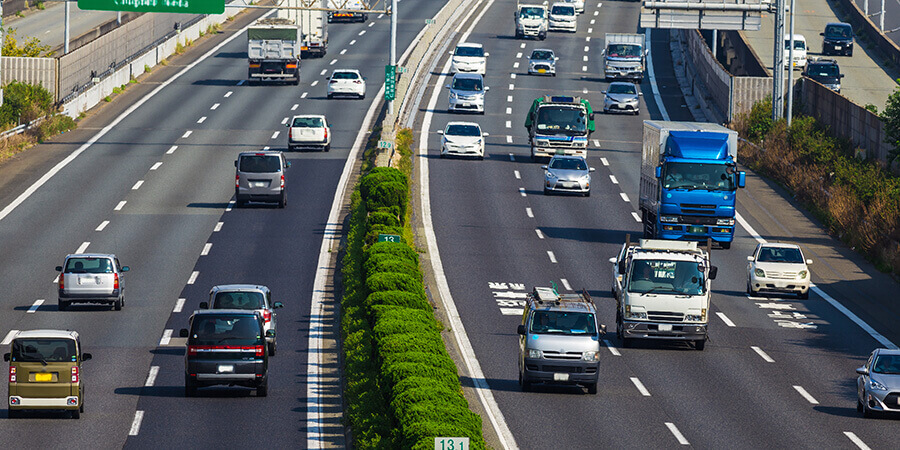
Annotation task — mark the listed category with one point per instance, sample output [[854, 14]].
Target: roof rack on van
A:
[[544, 295]]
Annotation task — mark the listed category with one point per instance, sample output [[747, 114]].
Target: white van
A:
[[799, 51]]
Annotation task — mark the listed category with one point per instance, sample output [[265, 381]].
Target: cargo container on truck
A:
[[312, 23], [273, 51]]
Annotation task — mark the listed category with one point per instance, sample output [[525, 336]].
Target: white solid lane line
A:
[[522, 192], [275, 134], [172, 149], [201, 120], [806, 395], [612, 348], [186, 134], [228, 94], [218, 227], [151, 376], [136, 423], [640, 386], [856, 440], [725, 319], [156, 166], [529, 213], [193, 277], [539, 234], [9, 336], [517, 174], [179, 305], [120, 205], [624, 196], [34, 307], [604, 161], [552, 256], [294, 108], [213, 107], [762, 354], [137, 185], [637, 217], [102, 225], [671, 426], [206, 249], [613, 179], [565, 284], [82, 247], [166, 337]]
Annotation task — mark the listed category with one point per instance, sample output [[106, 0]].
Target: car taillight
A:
[[237, 180], [192, 350], [332, 82], [290, 133], [116, 281], [74, 374], [357, 81], [326, 133], [260, 350], [267, 316], [62, 281], [282, 181], [12, 374]]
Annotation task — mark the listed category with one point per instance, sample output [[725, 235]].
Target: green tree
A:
[[891, 118], [32, 47]]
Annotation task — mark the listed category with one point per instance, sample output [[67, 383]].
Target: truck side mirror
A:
[[713, 270], [235, 164], [742, 178], [520, 329], [204, 305], [602, 329], [183, 332], [659, 172]]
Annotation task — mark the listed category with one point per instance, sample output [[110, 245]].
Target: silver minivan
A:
[[91, 278], [259, 177], [559, 340], [467, 93], [247, 297]]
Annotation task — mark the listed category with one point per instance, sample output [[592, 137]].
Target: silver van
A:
[[559, 340], [91, 278], [247, 297], [259, 177]]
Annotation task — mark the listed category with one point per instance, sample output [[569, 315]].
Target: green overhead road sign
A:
[[390, 82], [170, 6]]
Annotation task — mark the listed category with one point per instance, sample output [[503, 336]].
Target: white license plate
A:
[[560, 377], [665, 327], [837, 47], [466, 104], [260, 184], [226, 369]]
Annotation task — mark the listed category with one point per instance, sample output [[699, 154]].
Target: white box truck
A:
[[312, 23]]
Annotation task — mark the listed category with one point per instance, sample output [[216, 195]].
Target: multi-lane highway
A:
[[776, 372], [155, 188]]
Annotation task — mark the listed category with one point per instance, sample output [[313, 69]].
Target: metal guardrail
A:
[[21, 128]]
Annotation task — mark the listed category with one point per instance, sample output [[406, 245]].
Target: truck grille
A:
[[665, 316], [558, 355], [566, 144], [697, 220]]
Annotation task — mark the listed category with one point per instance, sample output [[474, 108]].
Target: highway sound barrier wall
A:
[[42, 71]]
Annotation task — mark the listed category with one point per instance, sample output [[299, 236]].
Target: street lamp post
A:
[[790, 93]]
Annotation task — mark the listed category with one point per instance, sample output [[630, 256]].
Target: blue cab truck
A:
[[689, 179]]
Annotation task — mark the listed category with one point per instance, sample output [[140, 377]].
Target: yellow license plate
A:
[[43, 377], [542, 70]]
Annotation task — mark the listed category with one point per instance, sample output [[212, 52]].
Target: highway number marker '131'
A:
[[451, 443]]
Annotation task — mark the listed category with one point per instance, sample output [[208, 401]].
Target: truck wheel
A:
[[700, 345], [117, 305], [272, 349], [648, 225], [591, 388], [328, 148], [263, 389], [725, 245], [524, 384], [297, 81]]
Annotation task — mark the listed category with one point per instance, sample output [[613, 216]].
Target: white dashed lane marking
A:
[[218, 227], [102, 225], [120, 206], [179, 305], [612, 348], [522, 191], [539, 234], [613, 179], [166, 337], [584, 68], [640, 386], [512, 86], [186, 134], [362, 32], [596, 142], [83, 247], [201, 120], [551, 256], [586, 48], [725, 319], [509, 98], [671, 426], [517, 174], [151, 376], [193, 277], [522, 45], [172, 149], [284, 121], [624, 196], [529, 213], [509, 139], [9, 337], [516, 65], [762, 354], [353, 42], [294, 108], [206, 249], [565, 284], [137, 185], [303, 95], [34, 307], [604, 161], [156, 165], [136, 423], [856, 440], [275, 134], [228, 94], [508, 124], [314, 83], [519, 55], [214, 107], [637, 218], [509, 110], [806, 395], [343, 51]]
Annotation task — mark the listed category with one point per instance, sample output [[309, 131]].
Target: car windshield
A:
[[468, 84], [568, 164], [624, 51], [542, 54], [562, 322], [532, 13], [798, 45], [342, 76], [563, 10], [837, 32], [780, 255], [310, 122], [260, 164], [89, 265], [239, 300], [217, 329], [887, 364], [462, 130], [43, 350], [469, 51], [666, 277], [823, 70], [622, 89], [718, 177], [562, 120]]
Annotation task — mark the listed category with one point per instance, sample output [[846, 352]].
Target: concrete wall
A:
[[845, 119], [738, 57], [97, 32], [41, 71], [864, 25]]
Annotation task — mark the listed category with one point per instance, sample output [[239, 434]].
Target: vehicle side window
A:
[[869, 362], [268, 299]]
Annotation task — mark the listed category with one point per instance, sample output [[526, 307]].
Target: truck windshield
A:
[[798, 45], [624, 51], [717, 177], [43, 350], [561, 120], [532, 13], [666, 277], [562, 322]]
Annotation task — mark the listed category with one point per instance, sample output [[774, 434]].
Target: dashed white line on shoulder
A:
[[762, 354], [102, 225], [136, 423], [725, 318]]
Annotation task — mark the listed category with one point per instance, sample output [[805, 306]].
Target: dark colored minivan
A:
[[226, 347], [838, 39]]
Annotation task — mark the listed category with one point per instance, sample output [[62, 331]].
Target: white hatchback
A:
[[776, 267], [346, 82], [462, 139]]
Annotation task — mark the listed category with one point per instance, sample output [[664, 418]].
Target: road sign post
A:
[[170, 6], [390, 82]]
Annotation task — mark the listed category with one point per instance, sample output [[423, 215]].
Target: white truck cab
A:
[[532, 21]]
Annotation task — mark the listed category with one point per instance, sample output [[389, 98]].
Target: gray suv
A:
[[91, 278], [247, 297], [259, 177], [559, 340]]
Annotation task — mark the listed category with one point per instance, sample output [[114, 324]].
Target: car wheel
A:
[[481, 157], [75, 414], [591, 388], [859, 405], [13, 414], [62, 305], [328, 148], [748, 286], [867, 413], [700, 345], [117, 305], [282, 202], [546, 191], [263, 389], [329, 96], [190, 389], [587, 194], [272, 349]]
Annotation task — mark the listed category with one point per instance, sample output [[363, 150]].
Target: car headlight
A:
[[542, 142], [551, 175], [453, 96], [876, 386], [535, 354], [668, 219], [802, 275], [760, 273], [586, 178], [728, 222], [590, 356]]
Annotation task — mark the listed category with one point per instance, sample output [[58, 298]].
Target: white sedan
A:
[[776, 267], [346, 82], [462, 139]]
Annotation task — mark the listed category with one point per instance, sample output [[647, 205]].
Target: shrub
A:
[[54, 125], [397, 249], [388, 193], [392, 321], [379, 175], [394, 282], [382, 217], [399, 371], [23, 102], [373, 261], [395, 265], [398, 298]]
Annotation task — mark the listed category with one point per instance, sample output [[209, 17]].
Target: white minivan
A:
[[799, 51]]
